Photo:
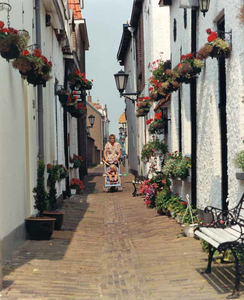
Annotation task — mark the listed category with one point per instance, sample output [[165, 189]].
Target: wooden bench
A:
[[226, 231]]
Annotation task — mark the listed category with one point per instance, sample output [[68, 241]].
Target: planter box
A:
[[240, 176]]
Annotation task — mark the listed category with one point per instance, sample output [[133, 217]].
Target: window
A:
[[185, 18], [175, 30]]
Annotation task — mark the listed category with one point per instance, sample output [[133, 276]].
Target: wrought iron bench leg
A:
[[235, 294], [134, 194], [211, 251]]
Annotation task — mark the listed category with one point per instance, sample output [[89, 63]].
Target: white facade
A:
[[19, 125], [209, 171]]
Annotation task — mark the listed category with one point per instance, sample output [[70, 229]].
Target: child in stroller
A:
[[112, 173]]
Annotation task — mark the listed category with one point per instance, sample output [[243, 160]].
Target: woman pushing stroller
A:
[[112, 154]]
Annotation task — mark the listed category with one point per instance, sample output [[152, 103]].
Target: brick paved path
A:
[[112, 247]]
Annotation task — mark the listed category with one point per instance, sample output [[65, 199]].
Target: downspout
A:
[[132, 30], [39, 87], [193, 89]]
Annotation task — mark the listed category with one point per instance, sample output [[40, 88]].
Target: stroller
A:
[[112, 185]]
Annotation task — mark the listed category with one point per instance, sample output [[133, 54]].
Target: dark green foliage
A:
[[51, 181], [40, 191]]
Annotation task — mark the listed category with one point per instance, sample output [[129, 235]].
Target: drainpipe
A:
[[132, 31], [193, 89], [39, 87]]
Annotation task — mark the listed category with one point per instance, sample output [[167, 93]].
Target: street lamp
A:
[[91, 120], [121, 130], [121, 79], [204, 6]]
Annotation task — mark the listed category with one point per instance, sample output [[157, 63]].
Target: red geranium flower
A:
[[50, 63], [37, 53], [190, 55], [208, 31], [184, 203], [151, 88], [4, 30], [146, 98], [1, 24], [25, 53], [212, 37]]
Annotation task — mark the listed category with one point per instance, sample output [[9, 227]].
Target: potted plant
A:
[[11, 42], [34, 67], [76, 161], [148, 150], [76, 185], [182, 168], [40, 227], [171, 163], [78, 81], [190, 222], [162, 201], [53, 177], [63, 172], [150, 197]]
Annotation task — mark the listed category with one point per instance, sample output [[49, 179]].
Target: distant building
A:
[[98, 134]]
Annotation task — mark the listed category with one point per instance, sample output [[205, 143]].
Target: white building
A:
[[207, 115], [22, 140], [142, 42]]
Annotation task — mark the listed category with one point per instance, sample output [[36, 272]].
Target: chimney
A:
[[98, 100], [89, 97]]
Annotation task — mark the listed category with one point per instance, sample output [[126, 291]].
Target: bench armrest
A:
[[222, 218]]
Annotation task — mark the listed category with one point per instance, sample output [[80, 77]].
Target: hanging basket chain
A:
[[7, 7]]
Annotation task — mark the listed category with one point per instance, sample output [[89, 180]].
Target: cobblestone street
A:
[[112, 247]]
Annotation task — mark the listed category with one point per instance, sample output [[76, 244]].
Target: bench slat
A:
[[207, 239], [235, 230], [219, 235]]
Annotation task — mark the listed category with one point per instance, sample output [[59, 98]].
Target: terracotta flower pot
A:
[[39, 228], [58, 216]]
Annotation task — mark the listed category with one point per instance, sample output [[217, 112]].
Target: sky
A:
[[104, 20]]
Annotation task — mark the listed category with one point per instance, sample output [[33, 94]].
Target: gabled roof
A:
[[75, 6], [136, 11], [124, 44]]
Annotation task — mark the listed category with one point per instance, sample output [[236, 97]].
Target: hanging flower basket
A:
[[217, 47], [188, 68], [220, 53], [78, 81], [77, 110], [12, 43], [143, 106], [34, 67]]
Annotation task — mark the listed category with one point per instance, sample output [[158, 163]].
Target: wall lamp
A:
[[121, 79], [91, 120], [204, 6]]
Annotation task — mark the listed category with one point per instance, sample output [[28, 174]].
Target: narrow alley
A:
[[112, 246]]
